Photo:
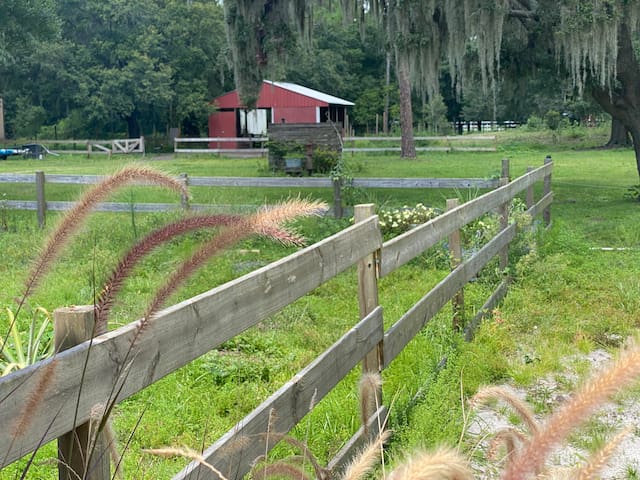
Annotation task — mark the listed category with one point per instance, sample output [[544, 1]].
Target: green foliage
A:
[[27, 343], [324, 159], [633, 192], [534, 122], [553, 119], [574, 297], [394, 221]]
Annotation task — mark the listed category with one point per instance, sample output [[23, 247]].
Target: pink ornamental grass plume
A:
[[74, 218], [267, 222], [142, 248], [443, 464], [531, 458]]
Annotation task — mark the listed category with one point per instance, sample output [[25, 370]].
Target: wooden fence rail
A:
[[114, 366], [450, 144], [42, 205]]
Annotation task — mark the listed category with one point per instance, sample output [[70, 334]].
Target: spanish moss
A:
[[588, 38]]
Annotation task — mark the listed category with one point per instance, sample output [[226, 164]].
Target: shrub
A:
[[324, 159], [553, 119]]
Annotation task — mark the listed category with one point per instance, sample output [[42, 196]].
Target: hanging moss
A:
[[588, 37], [258, 30]]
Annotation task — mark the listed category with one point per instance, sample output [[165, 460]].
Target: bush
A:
[[534, 123], [324, 160], [553, 119]]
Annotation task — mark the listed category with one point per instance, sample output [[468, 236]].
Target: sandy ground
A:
[[623, 464]]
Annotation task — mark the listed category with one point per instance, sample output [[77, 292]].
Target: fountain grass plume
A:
[[46, 374], [320, 472], [280, 470], [523, 411], [185, 453], [364, 462], [510, 438], [369, 388], [598, 460], [443, 464], [152, 241], [267, 222], [530, 459], [74, 218]]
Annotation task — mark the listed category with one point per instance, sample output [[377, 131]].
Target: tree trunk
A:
[[387, 82], [133, 125], [619, 135], [623, 101], [1, 119], [407, 145]]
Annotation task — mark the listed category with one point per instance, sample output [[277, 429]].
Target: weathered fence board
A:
[[285, 408], [42, 205], [375, 425], [412, 243], [486, 309], [399, 335], [45, 401], [296, 182], [424, 183], [178, 335], [541, 205]]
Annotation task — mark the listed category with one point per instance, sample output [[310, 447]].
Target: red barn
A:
[[278, 102]]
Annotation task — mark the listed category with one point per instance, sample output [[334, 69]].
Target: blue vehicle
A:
[[6, 152]]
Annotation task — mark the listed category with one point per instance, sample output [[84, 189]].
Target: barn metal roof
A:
[[309, 92]]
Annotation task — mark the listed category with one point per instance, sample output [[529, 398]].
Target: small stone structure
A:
[[291, 141]]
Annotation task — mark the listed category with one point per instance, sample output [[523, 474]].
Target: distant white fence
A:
[[220, 145], [109, 147]]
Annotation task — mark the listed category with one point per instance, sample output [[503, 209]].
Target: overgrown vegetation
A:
[[580, 293]]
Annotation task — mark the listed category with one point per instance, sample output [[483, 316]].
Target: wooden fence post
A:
[[455, 251], [338, 211], [504, 215], [41, 204], [73, 326], [530, 198], [184, 199], [368, 301], [546, 214], [506, 169]]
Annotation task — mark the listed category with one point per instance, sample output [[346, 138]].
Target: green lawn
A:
[[571, 297]]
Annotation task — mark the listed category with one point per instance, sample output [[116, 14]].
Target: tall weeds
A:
[[73, 220]]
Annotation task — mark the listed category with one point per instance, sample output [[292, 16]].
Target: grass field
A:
[[573, 297]]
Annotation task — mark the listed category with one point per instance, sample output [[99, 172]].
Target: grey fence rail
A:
[[41, 205], [119, 363], [461, 143]]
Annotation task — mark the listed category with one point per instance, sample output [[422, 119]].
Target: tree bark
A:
[[133, 125], [387, 82], [1, 119], [619, 136], [623, 101], [407, 144]]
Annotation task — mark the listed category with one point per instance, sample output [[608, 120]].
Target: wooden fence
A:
[[217, 145], [115, 365], [109, 147], [459, 143], [449, 144], [41, 205]]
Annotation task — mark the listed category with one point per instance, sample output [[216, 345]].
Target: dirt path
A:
[[615, 416]]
